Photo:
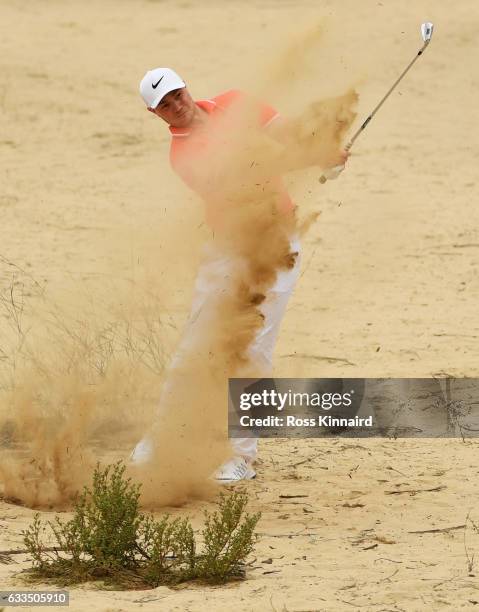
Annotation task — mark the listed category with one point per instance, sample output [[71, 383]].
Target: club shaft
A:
[[368, 119]]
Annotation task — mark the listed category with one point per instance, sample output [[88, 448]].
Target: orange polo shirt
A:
[[188, 148]]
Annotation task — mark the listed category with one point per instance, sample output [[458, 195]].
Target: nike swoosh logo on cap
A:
[[155, 85]]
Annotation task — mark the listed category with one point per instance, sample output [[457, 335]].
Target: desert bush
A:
[[109, 539], [227, 540]]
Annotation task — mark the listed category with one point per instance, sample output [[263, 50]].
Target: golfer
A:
[[166, 95]]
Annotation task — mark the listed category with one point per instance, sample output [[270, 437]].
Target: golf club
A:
[[426, 33]]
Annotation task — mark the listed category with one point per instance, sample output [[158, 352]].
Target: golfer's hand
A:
[[338, 159]]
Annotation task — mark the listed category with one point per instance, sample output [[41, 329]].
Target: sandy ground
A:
[[389, 284]]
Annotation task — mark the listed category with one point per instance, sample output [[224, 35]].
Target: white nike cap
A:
[[157, 83]]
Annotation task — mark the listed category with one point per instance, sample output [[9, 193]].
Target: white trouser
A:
[[211, 279]]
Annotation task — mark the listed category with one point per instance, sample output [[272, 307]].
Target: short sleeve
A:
[[266, 113]]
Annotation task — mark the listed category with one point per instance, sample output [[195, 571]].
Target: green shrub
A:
[[109, 539], [227, 541], [169, 548]]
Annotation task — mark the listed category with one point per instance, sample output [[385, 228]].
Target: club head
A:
[[426, 31]]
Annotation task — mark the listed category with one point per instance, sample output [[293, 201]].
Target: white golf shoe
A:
[[142, 453], [234, 470]]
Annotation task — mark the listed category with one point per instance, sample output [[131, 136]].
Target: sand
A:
[[389, 284]]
